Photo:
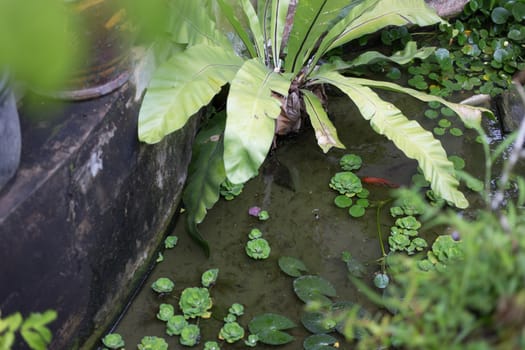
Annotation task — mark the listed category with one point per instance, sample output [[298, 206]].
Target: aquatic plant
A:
[[231, 332], [34, 329], [354, 266], [166, 311], [195, 302], [163, 285], [236, 309], [251, 341], [269, 328], [346, 183], [170, 242], [320, 341], [176, 324], [292, 266], [255, 233], [209, 277], [445, 250], [211, 345], [152, 343], [263, 215], [278, 78], [258, 248], [113, 341], [230, 190], [190, 335], [350, 162]]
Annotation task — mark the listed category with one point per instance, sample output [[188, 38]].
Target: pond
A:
[[304, 223]]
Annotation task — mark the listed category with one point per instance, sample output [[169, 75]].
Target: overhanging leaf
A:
[[416, 142], [228, 12], [268, 327], [255, 27], [205, 175], [325, 131], [370, 16], [250, 123], [400, 57], [313, 288], [183, 85]]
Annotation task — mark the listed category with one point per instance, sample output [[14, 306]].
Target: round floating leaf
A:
[[292, 266], [394, 73], [447, 112], [431, 114], [364, 193], [343, 201], [317, 323], [320, 342], [499, 15], [363, 202], [444, 123], [381, 280], [439, 131], [456, 132], [268, 328], [518, 11], [356, 211], [434, 104], [313, 288]]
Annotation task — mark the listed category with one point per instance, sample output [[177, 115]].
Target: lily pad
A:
[[313, 288], [320, 342], [431, 113], [364, 193], [343, 201], [292, 266], [363, 202], [356, 211], [456, 132], [268, 328], [354, 266], [317, 323], [459, 163]]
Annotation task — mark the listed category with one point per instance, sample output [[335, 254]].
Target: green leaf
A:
[[319, 342], [250, 124], [181, 86], [372, 15], [34, 330], [356, 211], [205, 175], [312, 19], [268, 328], [500, 15], [292, 266], [313, 288], [229, 13], [402, 57], [316, 322], [416, 142], [278, 22], [255, 27], [325, 131], [343, 201]]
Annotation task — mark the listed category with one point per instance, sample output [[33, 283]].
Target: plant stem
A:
[[378, 224]]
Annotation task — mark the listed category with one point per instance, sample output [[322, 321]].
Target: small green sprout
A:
[[211, 345], [209, 277], [230, 318], [170, 242], [195, 302], [255, 233], [190, 335], [236, 309], [346, 183], [263, 215], [163, 285], [350, 162], [165, 312], [113, 341], [175, 325], [152, 343], [252, 340], [231, 332], [160, 258], [258, 248]]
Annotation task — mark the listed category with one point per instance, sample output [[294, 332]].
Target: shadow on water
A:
[[304, 223]]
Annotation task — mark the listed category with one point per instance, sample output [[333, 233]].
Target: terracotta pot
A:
[[102, 41]]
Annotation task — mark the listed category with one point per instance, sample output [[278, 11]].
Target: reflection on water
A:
[[303, 223]]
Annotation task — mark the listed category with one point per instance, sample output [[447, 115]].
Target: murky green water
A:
[[304, 224]]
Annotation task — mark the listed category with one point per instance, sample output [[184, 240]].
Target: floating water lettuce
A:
[[165, 312], [190, 335], [163, 285], [236, 309], [350, 162], [346, 183], [113, 341], [258, 248], [255, 233], [176, 324], [152, 343], [170, 242], [231, 332], [211, 345], [195, 302], [209, 277], [251, 341], [230, 190], [263, 215]]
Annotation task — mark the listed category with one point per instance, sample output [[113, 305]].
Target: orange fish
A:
[[378, 181]]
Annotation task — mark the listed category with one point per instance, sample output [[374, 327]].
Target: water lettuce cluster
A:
[[195, 302]]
